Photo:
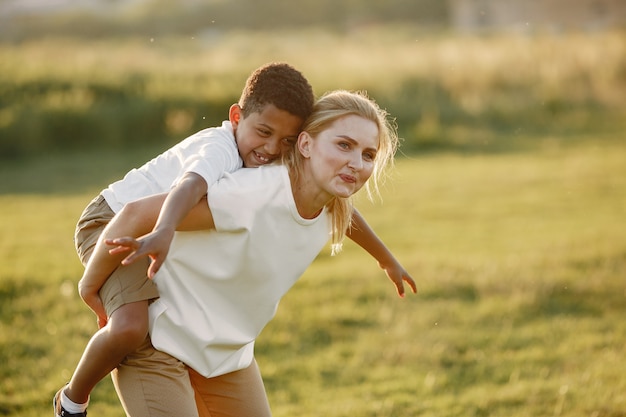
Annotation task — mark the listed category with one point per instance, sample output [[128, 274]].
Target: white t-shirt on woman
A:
[[220, 288]]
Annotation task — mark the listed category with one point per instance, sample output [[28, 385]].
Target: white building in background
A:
[[10, 8], [537, 15]]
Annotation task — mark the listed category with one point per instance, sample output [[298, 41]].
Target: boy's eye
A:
[[264, 132], [288, 141]]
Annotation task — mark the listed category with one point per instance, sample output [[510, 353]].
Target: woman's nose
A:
[[355, 162]]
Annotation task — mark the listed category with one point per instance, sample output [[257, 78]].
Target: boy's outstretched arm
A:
[[363, 235], [198, 218], [129, 221], [178, 203], [136, 219]]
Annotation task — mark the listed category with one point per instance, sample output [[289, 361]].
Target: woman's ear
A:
[[234, 115], [304, 144]]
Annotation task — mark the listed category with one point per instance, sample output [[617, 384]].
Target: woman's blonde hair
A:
[[329, 108]]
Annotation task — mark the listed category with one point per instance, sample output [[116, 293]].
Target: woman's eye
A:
[[344, 145]]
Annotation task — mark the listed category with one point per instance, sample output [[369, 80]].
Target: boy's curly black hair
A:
[[281, 85]]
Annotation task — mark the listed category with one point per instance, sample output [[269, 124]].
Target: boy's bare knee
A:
[[129, 333], [129, 325]]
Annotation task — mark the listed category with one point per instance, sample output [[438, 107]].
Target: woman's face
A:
[[341, 158]]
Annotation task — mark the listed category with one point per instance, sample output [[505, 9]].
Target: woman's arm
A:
[[363, 235], [135, 219], [181, 199], [143, 212]]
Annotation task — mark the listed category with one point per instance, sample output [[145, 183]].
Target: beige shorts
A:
[[128, 283]]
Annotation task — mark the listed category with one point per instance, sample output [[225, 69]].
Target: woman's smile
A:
[[341, 158], [348, 178]]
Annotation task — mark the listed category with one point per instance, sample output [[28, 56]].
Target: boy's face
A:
[[262, 137]]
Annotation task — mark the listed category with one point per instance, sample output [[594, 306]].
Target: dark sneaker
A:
[[60, 411]]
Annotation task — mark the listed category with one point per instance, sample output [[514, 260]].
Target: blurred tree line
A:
[[330, 14], [485, 96], [190, 17]]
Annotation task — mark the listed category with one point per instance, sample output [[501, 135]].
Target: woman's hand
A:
[[398, 275]]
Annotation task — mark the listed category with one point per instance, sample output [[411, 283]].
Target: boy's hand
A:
[[94, 302], [156, 245], [398, 275]]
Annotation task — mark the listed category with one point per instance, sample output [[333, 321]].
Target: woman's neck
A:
[[310, 200]]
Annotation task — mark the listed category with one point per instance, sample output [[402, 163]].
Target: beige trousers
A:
[[152, 383]]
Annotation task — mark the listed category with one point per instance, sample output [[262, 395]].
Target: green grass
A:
[[520, 259]]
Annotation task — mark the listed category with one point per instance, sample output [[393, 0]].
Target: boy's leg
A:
[[239, 393], [125, 332], [125, 294], [151, 383]]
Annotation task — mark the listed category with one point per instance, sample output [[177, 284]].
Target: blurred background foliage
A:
[[97, 18], [522, 248], [120, 74]]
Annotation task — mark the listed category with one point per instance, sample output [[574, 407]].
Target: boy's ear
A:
[[234, 115], [304, 144]]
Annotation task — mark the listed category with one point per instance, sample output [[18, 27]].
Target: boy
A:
[[273, 106]]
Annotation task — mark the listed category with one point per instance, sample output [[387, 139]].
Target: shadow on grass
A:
[[563, 301], [71, 172], [466, 293]]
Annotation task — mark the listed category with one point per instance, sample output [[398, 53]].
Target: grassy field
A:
[[520, 258], [507, 208]]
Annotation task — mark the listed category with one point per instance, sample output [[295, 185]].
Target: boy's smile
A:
[[262, 137]]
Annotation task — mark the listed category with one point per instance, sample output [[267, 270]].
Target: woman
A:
[[236, 256]]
